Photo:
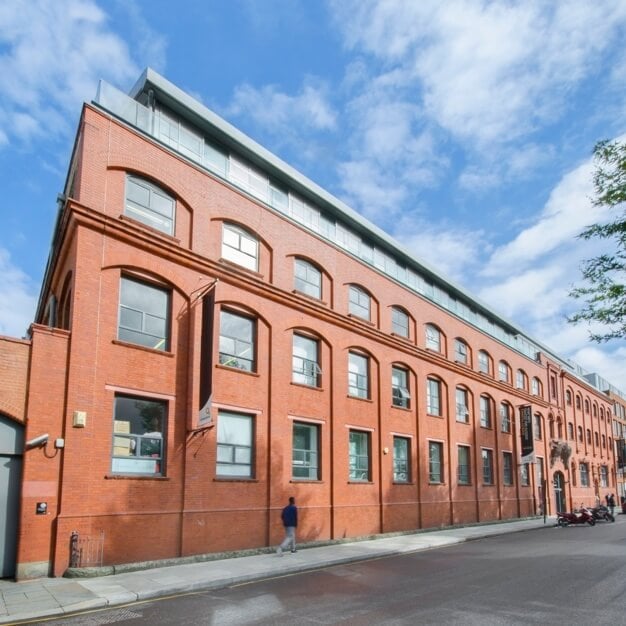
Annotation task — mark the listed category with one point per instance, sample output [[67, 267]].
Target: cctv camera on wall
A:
[[37, 442]]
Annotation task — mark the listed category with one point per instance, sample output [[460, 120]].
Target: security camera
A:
[[37, 442]]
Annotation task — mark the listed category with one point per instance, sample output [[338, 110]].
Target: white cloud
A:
[[487, 72], [279, 112], [18, 298], [52, 52]]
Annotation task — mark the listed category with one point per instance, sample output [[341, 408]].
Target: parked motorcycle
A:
[[584, 516], [602, 513]]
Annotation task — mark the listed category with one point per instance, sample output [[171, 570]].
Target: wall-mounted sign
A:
[[526, 433]]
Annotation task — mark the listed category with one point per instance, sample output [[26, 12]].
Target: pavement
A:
[[23, 602]]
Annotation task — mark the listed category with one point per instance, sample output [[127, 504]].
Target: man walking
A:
[[289, 516]]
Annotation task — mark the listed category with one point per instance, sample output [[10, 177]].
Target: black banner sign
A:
[[526, 432]]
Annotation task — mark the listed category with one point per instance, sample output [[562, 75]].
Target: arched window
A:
[[461, 352], [240, 247], [504, 372], [570, 430], [307, 278], [580, 434], [521, 380], [568, 397], [360, 303], [399, 321], [149, 204], [433, 338], [484, 362]]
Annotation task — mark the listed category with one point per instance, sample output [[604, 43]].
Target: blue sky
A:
[[463, 128]]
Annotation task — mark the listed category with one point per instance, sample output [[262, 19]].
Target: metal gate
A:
[[11, 448]]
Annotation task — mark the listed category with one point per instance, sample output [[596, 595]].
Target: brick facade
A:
[[186, 508]]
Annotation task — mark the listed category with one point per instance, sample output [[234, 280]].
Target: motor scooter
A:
[[602, 513], [584, 516]]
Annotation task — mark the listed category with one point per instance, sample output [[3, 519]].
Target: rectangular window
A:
[[524, 475], [234, 445], [144, 314], [359, 456], [149, 205], [539, 467], [503, 372], [400, 387], [487, 457], [305, 461], [358, 376], [435, 462], [464, 475], [399, 322], [460, 351], [507, 468], [237, 341], [433, 338], [485, 412], [584, 475], [505, 417], [538, 434], [433, 397], [240, 247], [307, 279], [401, 457], [305, 363], [138, 436], [360, 303], [462, 406], [604, 476]]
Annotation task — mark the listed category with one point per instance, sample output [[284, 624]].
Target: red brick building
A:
[[216, 333]]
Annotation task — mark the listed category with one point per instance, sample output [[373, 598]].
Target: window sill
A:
[[237, 369], [308, 296], [134, 477], [486, 427], [402, 483], [466, 422], [401, 408], [362, 320], [360, 482], [464, 484], [360, 399], [150, 229], [243, 268], [402, 337], [234, 479], [308, 481], [302, 385], [434, 415], [432, 484], [138, 346]]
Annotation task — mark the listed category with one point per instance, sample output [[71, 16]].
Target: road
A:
[[573, 575]]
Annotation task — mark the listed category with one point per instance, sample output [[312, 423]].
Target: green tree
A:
[[604, 292]]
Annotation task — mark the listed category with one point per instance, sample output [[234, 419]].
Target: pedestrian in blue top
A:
[[289, 516]]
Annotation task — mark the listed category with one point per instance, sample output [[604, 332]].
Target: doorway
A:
[[11, 447], [559, 492]]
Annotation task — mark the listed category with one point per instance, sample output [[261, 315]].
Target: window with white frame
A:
[[504, 372], [435, 462], [540, 473], [462, 405], [400, 387], [535, 386], [144, 314], [237, 341], [485, 411], [464, 475], [484, 362], [359, 456], [584, 475], [139, 429], [538, 427], [305, 361], [433, 396], [234, 445], [460, 351], [524, 475], [401, 459], [505, 417], [307, 279], [507, 468], [433, 338], [360, 303], [305, 451], [240, 247], [358, 375], [399, 322], [149, 204], [604, 476], [487, 458], [520, 379]]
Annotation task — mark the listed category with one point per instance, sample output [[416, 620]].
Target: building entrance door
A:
[[559, 491], [11, 447]]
